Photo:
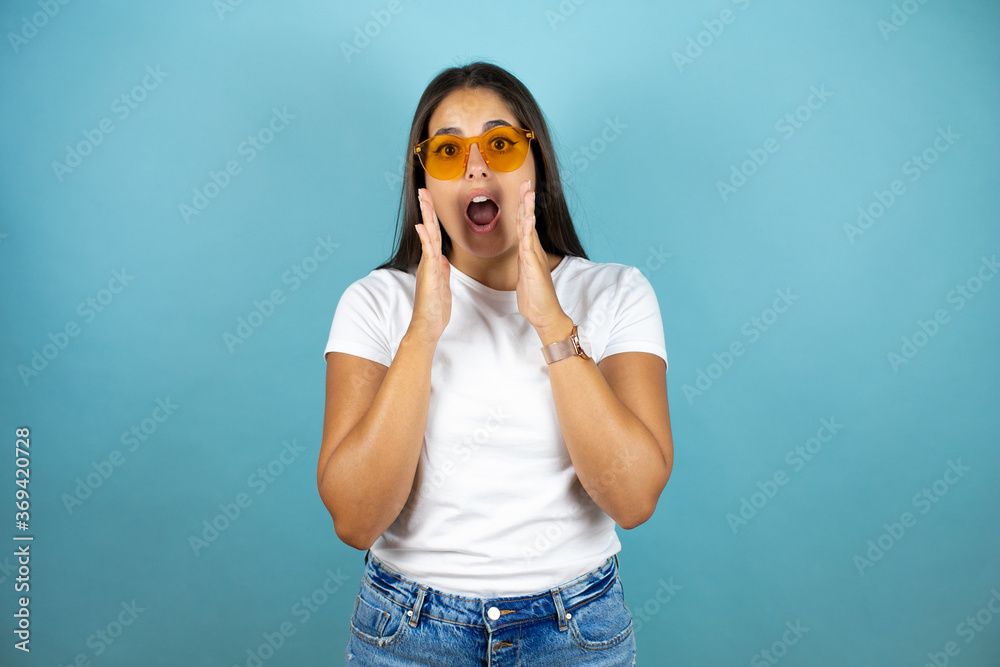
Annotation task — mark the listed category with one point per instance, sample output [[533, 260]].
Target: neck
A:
[[498, 273]]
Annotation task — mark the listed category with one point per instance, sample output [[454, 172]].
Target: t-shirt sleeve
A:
[[360, 323], [637, 325]]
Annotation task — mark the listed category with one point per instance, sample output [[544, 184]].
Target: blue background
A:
[[704, 589]]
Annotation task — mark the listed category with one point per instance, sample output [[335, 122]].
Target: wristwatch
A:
[[577, 344]]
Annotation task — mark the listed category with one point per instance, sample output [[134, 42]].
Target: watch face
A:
[[584, 340]]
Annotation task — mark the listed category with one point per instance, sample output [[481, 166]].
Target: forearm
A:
[[369, 476], [616, 458]]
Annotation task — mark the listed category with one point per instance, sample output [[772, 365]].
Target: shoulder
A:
[[603, 276], [379, 291], [382, 282]]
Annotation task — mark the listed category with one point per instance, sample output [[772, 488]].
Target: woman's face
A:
[[469, 112]]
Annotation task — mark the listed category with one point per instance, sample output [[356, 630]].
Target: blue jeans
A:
[[397, 621]]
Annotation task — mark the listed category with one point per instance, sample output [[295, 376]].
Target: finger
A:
[[527, 203], [536, 243], [437, 232], [433, 223], [518, 219], [520, 215], [422, 234], [424, 243], [427, 213], [529, 239]]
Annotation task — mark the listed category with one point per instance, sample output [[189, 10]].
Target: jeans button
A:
[[493, 613]]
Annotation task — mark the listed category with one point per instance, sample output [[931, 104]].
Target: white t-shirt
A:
[[496, 508]]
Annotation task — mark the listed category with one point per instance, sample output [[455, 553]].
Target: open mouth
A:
[[482, 211]]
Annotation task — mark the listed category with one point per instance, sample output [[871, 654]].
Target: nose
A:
[[476, 165]]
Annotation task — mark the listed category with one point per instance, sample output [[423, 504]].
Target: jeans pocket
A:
[[376, 619], [602, 622]]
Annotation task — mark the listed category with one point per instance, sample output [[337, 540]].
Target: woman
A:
[[474, 443]]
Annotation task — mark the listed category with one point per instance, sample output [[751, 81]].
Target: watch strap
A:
[[564, 348]]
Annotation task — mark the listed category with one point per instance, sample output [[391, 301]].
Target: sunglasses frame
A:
[[467, 147]]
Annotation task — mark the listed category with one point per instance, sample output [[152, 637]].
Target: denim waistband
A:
[[419, 600]]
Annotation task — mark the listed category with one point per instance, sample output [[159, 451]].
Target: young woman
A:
[[496, 403]]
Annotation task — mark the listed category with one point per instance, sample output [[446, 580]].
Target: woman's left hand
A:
[[536, 294]]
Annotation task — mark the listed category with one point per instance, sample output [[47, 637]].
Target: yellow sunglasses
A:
[[445, 156]]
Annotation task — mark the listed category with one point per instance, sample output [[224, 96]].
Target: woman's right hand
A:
[[432, 297]]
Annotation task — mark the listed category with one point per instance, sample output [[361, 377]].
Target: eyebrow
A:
[[487, 126]]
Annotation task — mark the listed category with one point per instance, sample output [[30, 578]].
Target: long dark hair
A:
[[552, 219]]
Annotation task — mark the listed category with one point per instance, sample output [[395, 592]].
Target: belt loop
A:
[[616, 561], [367, 552], [414, 613], [561, 615]]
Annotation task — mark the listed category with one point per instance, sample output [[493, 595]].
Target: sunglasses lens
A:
[[443, 157], [503, 148]]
